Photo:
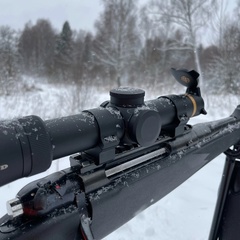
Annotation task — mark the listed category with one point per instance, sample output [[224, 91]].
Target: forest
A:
[[131, 45]]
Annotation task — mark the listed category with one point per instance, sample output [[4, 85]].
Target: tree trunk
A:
[[118, 80], [198, 66]]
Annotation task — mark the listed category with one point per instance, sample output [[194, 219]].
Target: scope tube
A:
[[72, 134], [83, 131], [28, 145]]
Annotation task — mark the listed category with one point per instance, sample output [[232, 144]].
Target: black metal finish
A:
[[226, 224], [25, 148], [127, 97], [187, 78], [62, 224], [229, 228], [222, 195]]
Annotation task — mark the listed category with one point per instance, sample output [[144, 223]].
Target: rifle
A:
[[126, 155]]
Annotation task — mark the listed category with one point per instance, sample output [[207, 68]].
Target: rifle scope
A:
[[28, 144]]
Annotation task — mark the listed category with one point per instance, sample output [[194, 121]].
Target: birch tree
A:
[[116, 43], [216, 59], [189, 15], [164, 44]]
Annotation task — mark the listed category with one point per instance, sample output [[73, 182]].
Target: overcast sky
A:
[[81, 14]]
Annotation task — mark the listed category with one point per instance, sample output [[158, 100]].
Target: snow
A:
[[184, 214]]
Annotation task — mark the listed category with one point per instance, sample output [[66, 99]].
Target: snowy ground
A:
[[185, 214]]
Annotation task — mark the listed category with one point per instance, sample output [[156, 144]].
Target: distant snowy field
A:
[[185, 214]]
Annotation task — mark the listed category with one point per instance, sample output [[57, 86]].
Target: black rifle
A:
[[128, 155]]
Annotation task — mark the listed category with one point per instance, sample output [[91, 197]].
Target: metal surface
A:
[[112, 171]]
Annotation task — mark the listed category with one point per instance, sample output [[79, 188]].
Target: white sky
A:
[[81, 14]]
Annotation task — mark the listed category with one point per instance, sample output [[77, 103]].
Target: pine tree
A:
[[64, 52], [36, 47]]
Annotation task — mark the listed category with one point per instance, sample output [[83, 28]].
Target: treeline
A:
[[131, 45]]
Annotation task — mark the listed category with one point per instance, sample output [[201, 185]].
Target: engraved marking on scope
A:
[[185, 79], [3, 167]]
